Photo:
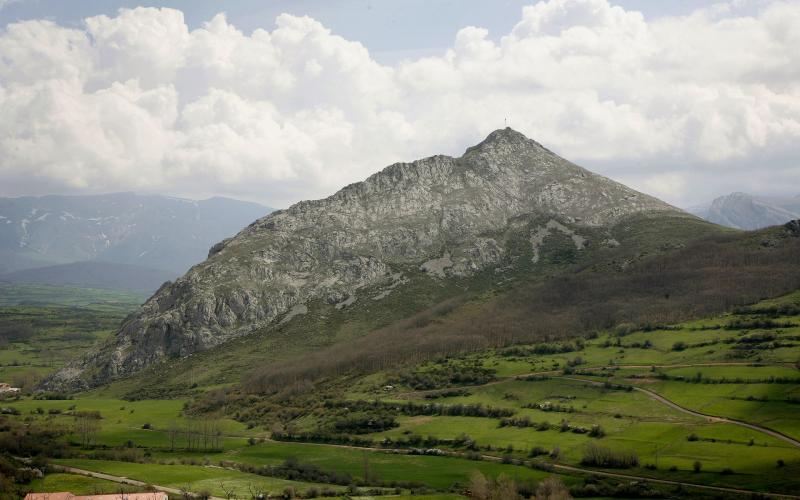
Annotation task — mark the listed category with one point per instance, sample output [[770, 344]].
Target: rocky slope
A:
[[745, 211], [440, 217]]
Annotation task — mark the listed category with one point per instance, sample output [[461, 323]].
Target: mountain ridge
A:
[[432, 219], [740, 210]]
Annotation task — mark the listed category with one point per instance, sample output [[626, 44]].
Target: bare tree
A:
[[87, 425], [172, 433], [551, 488], [479, 487], [256, 493], [230, 493]]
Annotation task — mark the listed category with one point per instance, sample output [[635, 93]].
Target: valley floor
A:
[[705, 409]]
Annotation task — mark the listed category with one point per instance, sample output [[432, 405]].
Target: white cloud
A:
[[682, 107]]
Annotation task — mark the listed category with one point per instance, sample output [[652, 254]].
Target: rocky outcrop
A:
[[441, 215]]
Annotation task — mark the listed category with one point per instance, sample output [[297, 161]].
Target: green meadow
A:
[[557, 401]]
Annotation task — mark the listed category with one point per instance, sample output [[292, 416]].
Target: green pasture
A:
[[192, 477], [78, 485], [123, 421], [432, 471]]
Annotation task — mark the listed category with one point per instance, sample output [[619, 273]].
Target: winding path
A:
[[570, 468], [711, 418], [120, 480], [557, 467], [492, 458], [499, 380]]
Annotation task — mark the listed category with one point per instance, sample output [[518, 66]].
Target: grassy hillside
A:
[[559, 399], [665, 270], [655, 274], [703, 402]]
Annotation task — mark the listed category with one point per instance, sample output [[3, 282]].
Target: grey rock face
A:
[[439, 214]]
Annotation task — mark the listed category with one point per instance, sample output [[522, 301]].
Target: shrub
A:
[[597, 431], [679, 346], [537, 451], [697, 466], [552, 488]]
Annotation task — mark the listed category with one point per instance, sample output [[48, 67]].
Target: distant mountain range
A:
[[745, 211], [89, 274], [117, 238]]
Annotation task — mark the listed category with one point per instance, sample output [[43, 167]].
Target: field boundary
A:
[[713, 418], [119, 479]]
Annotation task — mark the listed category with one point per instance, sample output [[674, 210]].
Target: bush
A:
[[537, 451], [697, 466], [679, 346], [597, 431], [552, 488]]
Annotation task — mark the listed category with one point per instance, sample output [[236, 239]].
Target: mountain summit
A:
[[492, 209]]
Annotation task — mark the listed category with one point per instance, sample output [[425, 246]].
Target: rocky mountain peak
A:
[[503, 141], [450, 218]]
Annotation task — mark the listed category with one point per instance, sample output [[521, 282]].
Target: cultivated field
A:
[[708, 403]]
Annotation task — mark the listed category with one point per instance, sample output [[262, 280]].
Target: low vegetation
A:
[[499, 421]]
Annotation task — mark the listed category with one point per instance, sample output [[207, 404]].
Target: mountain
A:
[[744, 211], [90, 274], [507, 205], [150, 231]]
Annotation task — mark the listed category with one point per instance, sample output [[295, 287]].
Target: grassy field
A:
[[558, 400], [78, 485], [213, 479], [21, 294], [44, 326], [431, 471]]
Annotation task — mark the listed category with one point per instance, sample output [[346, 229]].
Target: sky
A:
[[287, 100]]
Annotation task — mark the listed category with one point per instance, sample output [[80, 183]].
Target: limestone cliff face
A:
[[439, 214]]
